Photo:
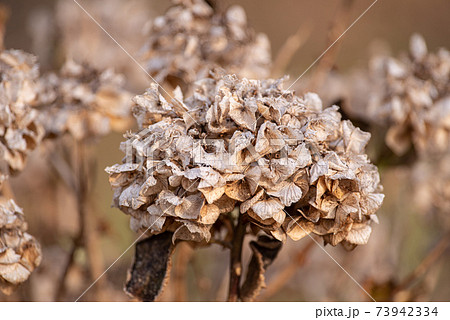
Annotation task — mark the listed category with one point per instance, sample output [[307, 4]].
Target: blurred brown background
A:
[[398, 244]]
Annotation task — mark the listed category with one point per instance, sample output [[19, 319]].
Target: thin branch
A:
[[288, 272], [236, 259], [4, 15], [88, 223], [61, 288], [289, 48], [184, 256], [77, 177], [7, 190], [426, 263], [326, 63]]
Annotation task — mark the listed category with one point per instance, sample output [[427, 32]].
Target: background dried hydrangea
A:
[[19, 130], [20, 253], [83, 101], [83, 40], [271, 153], [191, 39], [414, 99]]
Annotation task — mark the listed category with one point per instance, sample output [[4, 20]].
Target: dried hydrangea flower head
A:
[[291, 166], [415, 99], [20, 253], [19, 130], [84, 102], [82, 39], [191, 39]]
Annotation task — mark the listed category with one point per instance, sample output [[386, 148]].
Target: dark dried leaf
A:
[[265, 250], [151, 267]]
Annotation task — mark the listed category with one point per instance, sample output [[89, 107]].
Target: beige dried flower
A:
[[82, 101], [20, 253], [414, 99], [19, 131], [190, 40], [289, 165]]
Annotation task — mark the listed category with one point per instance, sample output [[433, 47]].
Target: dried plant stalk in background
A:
[[430, 179], [85, 104], [191, 39], [20, 253]]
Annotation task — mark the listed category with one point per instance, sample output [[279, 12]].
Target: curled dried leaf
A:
[[151, 267], [265, 250]]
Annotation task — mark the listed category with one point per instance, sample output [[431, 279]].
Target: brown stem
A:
[[90, 239], [184, 256], [77, 176], [426, 263], [288, 272], [236, 259], [4, 15], [288, 50], [7, 191], [61, 289], [326, 63]]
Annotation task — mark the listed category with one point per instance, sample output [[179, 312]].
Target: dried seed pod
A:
[[190, 40], [19, 130], [293, 167], [20, 253], [414, 100], [82, 101]]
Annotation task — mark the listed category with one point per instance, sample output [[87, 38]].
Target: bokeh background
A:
[[303, 272]]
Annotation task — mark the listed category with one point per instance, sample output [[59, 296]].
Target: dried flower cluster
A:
[[414, 99], [293, 167], [19, 130], [83, 101], [82, 39], [20, 133], [20, 253], [190, 40]]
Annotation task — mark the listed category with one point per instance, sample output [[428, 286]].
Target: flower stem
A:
[[236, 259]]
